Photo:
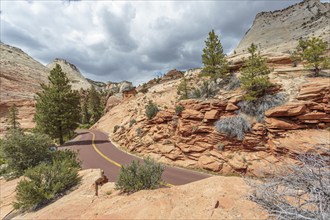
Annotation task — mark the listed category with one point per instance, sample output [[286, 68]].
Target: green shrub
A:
[[67, 155], [23, 151], [233, 127], [46, 181], [179, 109], [139, 132], [151, 110], [115, 128], [136, 176], [132, 122]]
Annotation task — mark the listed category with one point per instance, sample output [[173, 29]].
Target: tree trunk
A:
[[61, 136]]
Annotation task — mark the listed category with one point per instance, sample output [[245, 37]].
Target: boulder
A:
[[209, 163], [192, 114], [278, 124], [314, 116], [231, 107], [211, 115], [288, 110]]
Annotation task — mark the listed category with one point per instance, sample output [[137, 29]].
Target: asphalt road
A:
[[96, 151]]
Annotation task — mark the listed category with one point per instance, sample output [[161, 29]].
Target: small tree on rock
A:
[[183, 89], [312, 51], [254, 78], [13, 117], [57, 108], [214, 60]]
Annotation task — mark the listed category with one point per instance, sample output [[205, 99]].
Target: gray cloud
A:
[[114, 41]]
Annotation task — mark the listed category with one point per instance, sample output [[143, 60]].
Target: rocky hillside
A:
[[77, 80], [224, 198], [279, 31], [190, 139], [20, 78]]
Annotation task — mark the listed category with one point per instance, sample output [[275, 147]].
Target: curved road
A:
[[96, 151]]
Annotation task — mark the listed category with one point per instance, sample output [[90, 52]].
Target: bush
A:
[[297, 191], [258, 107], [233, 127], [132, 122], [138, 132], [179, 109], [151, 110], [23, 151], [46, 181], [206, 89], [115, 128], [233, 83], [136, 176]]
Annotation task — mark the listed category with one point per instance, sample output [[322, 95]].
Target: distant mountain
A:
[[279, 31], [20, 79], [77, 80], [97, 84]]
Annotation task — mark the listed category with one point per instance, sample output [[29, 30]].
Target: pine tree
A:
[[214, 60], [183, 89], [94, 105], [85, 117], [13, 117], [57, 108], [254, 78], [312, 51]]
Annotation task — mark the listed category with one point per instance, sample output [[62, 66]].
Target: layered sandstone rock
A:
[[279, 31]]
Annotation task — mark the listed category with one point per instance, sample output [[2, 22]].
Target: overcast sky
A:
[[119, 40]]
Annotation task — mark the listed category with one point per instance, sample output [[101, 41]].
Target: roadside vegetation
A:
[[58, 107], [297, 191], [136, 176], [92, 104], [47, 173]]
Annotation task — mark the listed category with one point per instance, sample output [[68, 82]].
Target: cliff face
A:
[[77, 80], [279, 31], [20, 77]]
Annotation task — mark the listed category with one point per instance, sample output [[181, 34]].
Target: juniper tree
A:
[[57, 108], [214, 60], [13, 117], [312, 51], [254, 78]]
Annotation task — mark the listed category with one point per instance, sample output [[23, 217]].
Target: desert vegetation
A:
[[151, 110], [297, 191], [58, 107], [44, 182], [92, 106], [233, 127], [214, 60], [254, 79], [136, 176], [312, 51]]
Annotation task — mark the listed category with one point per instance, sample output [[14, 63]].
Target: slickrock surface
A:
[[77, 80], [279, 31], [211, 198]]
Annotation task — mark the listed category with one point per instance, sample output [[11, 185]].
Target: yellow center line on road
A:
[[112, 161]]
